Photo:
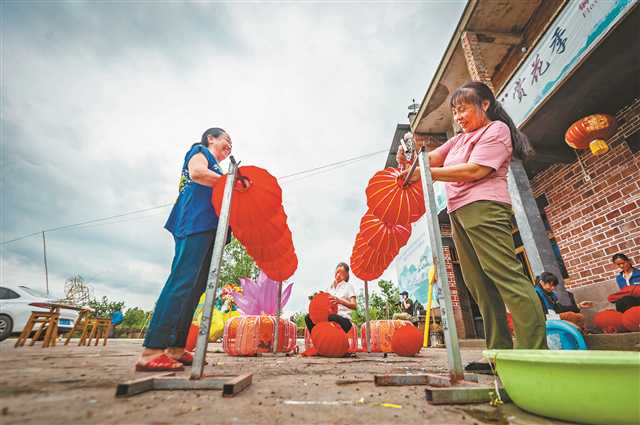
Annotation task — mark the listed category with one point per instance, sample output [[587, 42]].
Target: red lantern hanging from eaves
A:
[[592, 132]]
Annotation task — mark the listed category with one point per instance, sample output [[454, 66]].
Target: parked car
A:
[[16, 305]]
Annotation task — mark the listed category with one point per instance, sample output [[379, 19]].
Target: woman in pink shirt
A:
[[474, 165]]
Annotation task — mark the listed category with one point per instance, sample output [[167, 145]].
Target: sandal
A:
[[162, 363], [187, 359]]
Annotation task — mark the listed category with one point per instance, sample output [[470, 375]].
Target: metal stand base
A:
[[230, 385], [441, 389]]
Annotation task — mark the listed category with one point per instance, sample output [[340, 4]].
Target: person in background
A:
[[627, 280], [546, 284], [116, 318], [344, 295], [629, 275], [406, 307]]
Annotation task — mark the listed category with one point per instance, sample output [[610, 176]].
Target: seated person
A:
[[344, 295], [406, 307], [628, 276], [546, 284]]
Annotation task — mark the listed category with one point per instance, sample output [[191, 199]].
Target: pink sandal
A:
[[162, 363]]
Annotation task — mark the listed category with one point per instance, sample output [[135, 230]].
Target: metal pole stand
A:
[[456, 387], [230, 385]]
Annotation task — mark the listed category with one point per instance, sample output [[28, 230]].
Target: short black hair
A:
[[213, 131], [548, 277], [620, 256], [404, 293]]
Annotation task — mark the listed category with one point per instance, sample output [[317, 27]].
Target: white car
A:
[[16, 305]]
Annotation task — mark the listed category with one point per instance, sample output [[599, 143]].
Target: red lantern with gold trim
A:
[[592, 132]]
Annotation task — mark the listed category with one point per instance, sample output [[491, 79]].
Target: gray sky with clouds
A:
[[101, 101]]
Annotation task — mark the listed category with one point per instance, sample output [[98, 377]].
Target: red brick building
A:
[[573, 210]]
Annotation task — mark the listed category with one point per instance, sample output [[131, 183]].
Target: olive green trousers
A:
[[484, 242]]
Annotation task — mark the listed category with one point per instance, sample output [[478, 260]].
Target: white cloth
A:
[[343, 290]]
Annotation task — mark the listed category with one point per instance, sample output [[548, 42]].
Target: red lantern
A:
[[320, 307], [382, 332], [390, 201], [281, 269], [631, 319], [609, 321], [591, 132], [266, 234], [250, 206], [381, 236], [406, 340], [330, 340]]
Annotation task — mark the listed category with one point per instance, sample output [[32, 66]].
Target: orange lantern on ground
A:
[[390, 201], [631, 319], [352, 338], [406, 340], [592, 132], [609, 321], [250, 335], [382, 334], [330, 340]]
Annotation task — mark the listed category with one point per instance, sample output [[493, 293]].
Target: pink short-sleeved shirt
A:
[[489, 146]]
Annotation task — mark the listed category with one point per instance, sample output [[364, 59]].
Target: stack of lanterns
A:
[[329, 339], [258, 221], [386, 226]]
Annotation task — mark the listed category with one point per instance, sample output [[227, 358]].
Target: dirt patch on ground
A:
[[71, 384]]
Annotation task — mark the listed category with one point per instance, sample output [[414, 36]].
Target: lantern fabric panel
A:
[[250, 335], [381, 334], [388, 200]]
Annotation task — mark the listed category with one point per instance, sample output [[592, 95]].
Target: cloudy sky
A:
[[101, 101]]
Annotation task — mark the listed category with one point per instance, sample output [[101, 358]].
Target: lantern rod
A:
[[276, 326], [584, 170], [366, 315], [214, 273]]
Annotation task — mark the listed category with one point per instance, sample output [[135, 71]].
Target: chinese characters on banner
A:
[[575, 31]]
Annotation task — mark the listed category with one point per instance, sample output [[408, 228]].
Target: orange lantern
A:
[[592, 132], [352, 338], [250, 206], [382, 332], [631, 319], [250, 335], [280, 269], [609, 321], [330, 340], [390, 201], [381, 236], [320, 307], [406, 340]]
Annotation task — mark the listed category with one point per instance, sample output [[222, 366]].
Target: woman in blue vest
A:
[[193, 223]]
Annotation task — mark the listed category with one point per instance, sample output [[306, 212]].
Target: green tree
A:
[[298, 319], [236, 263], [104, 307], [134, 318], [381, 305]]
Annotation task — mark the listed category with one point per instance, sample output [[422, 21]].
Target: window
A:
[[8, 294], [34, 292]]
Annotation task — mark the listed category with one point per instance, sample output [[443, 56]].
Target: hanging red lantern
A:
[[271, 250], [280, 269], [609, 321], [330, 339], [368, 263], [381, 236], [320, 307], [592, 132], [390, 201], [407, 340], [631, 319], [253, 204]]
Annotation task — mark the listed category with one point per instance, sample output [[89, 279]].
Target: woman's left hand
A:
[[414, 177]]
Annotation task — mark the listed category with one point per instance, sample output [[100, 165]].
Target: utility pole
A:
[[46, 270]]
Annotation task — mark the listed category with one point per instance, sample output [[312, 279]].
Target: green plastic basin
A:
[[592, 387]]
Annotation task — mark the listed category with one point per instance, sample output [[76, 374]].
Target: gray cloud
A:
[[103, 99]]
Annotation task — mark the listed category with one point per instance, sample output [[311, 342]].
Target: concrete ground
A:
[[76, 385]]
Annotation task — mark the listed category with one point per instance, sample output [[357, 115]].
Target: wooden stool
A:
[[96, 328], [81, 325], [48, 324]]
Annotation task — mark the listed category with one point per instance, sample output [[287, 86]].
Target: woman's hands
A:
[[585, 304]]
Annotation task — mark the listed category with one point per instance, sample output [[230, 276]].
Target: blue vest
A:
[[633, 280], [547, 304], [193, 213]]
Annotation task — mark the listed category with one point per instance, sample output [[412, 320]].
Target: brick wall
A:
[[593, 220]]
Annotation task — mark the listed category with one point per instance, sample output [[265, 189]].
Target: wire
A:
[[300, 174]]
